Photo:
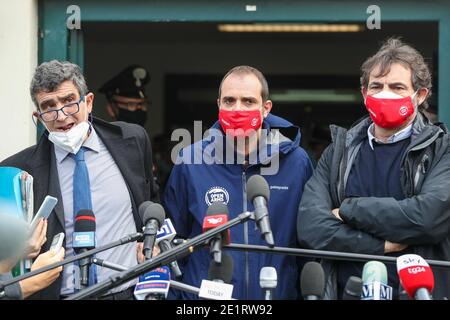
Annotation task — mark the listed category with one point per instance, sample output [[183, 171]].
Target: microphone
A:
[[312, 281], [84, 240], [258, 193], [153, 285], [13, 236], [268, 281], [216, 215], [221, 272], [353, 289], [415, 276], [164, 239], [219, 275], [374, 278], [152, 215]]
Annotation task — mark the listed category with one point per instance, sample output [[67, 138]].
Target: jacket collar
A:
[[281, 136], [422, 130]]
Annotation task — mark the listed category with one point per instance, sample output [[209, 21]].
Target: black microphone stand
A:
[[332, 255], [162, 259], [173, 284]]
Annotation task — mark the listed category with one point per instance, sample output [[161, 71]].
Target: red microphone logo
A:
[[414, 273]]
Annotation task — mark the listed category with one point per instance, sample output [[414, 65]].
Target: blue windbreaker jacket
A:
[[191, 188]]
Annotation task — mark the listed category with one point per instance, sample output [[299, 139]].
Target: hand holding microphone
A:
[[152, 215]]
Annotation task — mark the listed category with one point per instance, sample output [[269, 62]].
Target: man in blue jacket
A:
[[270, 146]]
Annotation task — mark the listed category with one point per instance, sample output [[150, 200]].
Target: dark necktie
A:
[[82, 197]]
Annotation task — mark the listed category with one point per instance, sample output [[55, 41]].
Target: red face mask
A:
[[240, 123], [389, 110]]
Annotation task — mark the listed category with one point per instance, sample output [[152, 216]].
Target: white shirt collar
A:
[[401, 135]]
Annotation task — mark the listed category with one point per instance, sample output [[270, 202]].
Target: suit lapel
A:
[[45, 176], [55, 190], [125, 153]]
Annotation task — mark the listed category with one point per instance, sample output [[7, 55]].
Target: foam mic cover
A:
[[217, 208], [414, 273], [144, 205], [268, 278], [353, 289], [223, 271], [312, 280], [257, 186], [84, 221], [84, 230], [374, 271], [216, 215]]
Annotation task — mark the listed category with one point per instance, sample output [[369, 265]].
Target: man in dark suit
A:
[[117, 157]]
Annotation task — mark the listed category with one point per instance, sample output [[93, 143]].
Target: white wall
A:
[[18, 59]]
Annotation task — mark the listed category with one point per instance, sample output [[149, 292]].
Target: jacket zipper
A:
[[247, 273]]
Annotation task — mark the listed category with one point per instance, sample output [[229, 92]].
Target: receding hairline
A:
[[243, 72], [243, 75]]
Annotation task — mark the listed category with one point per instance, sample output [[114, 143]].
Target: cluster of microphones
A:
[[158, 230], [416, 281]]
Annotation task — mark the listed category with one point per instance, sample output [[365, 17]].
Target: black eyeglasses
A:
[[68, 110]]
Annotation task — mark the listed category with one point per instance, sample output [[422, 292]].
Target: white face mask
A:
[[72, 140]]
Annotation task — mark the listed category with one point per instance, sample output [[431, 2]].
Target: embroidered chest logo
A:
[[216, 194]]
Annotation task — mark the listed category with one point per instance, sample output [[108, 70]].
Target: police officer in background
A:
[[126, 96], [128, 102]]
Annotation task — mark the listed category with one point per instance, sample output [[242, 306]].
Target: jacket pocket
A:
[[421, 171]]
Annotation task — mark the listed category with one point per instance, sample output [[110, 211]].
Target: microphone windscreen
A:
[[268, 278], [312, 280], [257, 186], [14, 233], [221, 271], [144, 205], [84, 221], [414, 273], [154, 211], [374, 271], [217, 208]]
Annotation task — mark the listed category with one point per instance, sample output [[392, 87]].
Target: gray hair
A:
[[396, 51], [48, 76]]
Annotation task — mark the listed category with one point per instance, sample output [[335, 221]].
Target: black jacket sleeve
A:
[[421, 219], [317, 227]]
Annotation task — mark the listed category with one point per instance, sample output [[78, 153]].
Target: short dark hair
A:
[[392, 51], [48, 76], [249, 70]]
